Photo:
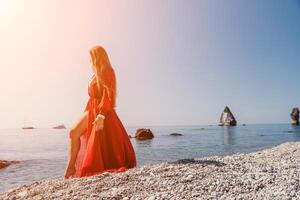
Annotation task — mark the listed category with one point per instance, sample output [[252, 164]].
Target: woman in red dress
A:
[[98, 141]]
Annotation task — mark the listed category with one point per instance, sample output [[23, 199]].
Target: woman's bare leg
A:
[[78, 129]]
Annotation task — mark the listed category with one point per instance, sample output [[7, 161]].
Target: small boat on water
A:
[[59, 127], [28, 127], [25, 127]]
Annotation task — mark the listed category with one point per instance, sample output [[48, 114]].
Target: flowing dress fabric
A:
[[109, 149]]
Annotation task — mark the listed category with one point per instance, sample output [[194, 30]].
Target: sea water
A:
[[43, 152]]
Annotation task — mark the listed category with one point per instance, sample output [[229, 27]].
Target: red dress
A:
[[109, 149]]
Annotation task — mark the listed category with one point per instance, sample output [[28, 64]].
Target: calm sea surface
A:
[[43, 152]]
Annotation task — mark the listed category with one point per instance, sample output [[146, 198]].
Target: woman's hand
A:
[[99, 123]]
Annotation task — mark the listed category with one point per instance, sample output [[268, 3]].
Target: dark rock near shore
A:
[[227, 118], [176, 134], [295, 116], [5, 163], [144, 134]]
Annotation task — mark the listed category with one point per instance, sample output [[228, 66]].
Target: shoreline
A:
[[272, 173]]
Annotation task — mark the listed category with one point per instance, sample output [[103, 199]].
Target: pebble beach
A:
[[267, 174]]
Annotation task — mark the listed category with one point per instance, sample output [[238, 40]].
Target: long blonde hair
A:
[[102, 64], [99, 57]]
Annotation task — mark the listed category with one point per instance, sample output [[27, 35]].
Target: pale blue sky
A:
[[177, 62]]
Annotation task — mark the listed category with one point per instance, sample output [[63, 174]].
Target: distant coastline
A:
[[171, 125]]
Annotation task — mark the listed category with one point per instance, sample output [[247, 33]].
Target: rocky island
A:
[[295, 116], [227, 118]]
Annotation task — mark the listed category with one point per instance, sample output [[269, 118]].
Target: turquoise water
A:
[[43, 152]]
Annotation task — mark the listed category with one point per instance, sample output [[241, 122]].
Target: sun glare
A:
[[5, 5]]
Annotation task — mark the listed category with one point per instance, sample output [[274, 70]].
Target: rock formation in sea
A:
[[295, 116], [227, 118], [144, 134]]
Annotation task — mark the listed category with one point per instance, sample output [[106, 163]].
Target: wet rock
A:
[[144, 134], [227, 118], [5, 163], [176, 134], [295, 116]]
